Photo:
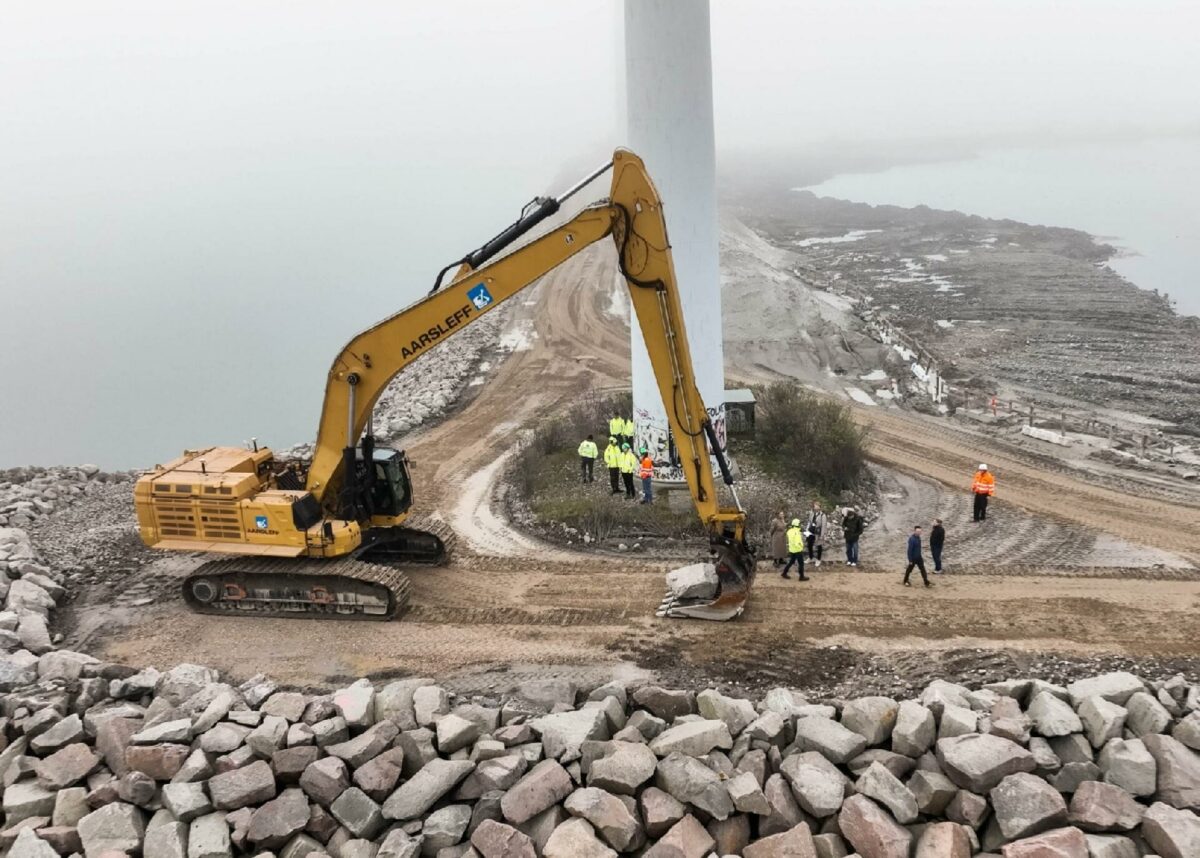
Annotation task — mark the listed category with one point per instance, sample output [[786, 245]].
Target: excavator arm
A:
[[633, 217]]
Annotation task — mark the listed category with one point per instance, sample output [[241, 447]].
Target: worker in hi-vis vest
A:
[[612, 461], [646, 473], [628, 465], [983, 488], [616, 426], [795, 546], [628, 431], [587, 458]]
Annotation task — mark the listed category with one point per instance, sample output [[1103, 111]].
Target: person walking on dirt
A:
[[612, 461], [628, 465], [616, 426], [628, 430], [815, 533], [937, 539], [983, 488], [587, 459], [779, 550], [914, 557], [646, 473], [852, 530], [795, 547]]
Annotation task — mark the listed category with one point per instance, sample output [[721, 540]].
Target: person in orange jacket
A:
[[646, 472], [983, 488]]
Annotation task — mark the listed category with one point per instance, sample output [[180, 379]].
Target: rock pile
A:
[[27, 494], [100, 760]]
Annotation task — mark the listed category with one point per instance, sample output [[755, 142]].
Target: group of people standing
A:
[[792, 543], [620, 460]]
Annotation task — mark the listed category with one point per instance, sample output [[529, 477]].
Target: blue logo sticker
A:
[[260, 521], [480, 297]]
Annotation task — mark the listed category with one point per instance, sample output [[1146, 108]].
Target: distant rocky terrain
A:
[[1007, 307]]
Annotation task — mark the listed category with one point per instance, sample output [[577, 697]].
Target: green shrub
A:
[[809, 438]]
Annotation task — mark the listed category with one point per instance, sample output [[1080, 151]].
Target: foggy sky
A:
[[202, 201]]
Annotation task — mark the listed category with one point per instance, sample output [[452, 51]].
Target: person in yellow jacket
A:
[[587, 458], [795, 547], [983, 488], [612, 461], [628, 464], [616, 426], [628, 430]]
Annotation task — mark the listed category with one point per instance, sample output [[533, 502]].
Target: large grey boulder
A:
[[737, 713], [1146, 715], [697, 581], [1024, 804], [1059, 843], [880, 784], [563, 733], [623, 769], [1052, 716], [29, 845], [416, 795], [873, 718], [785, 811], [445, 827], [186, 801], [915, 729], [837, 743], [795, 843], [1127, 764], [610, 816], [1111, 846], [659, 810], [692, 782], [1178, 771], [1170, 832], [252, 784], [25, 800], [358, 813], [497, 773], [325, 779], [686, 839], [664, 703], [1187, 731], [576, 837], [1114, 687], [932, 790], [747, 794], [943, 840], [116, 827], [372, 742], [494, 839], [545, 785], [1098, 807], [694, 738], [66, 766], [979, 762], [277, 821], [871, 830], [208, 837], [357, 704], [394, 702], [1101, 720]]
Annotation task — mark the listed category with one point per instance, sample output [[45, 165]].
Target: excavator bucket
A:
[[735, 576]]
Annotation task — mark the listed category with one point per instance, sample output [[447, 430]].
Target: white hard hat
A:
[[983, 467]]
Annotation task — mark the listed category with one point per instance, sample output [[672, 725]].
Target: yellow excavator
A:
[[323, 543]]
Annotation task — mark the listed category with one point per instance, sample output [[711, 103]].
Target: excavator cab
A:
[[389, 486]]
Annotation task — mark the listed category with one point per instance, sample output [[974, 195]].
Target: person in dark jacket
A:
[[937, 538], [852, 530], [914, 557]]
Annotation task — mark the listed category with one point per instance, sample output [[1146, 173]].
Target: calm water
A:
[[1142, 197]]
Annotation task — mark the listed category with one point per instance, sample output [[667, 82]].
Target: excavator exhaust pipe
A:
[[735, 568]]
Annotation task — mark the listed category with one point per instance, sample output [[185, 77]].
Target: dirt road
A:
[[511, 607]]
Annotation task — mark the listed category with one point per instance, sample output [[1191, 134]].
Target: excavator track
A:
[[429, 541], [343, 589]]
